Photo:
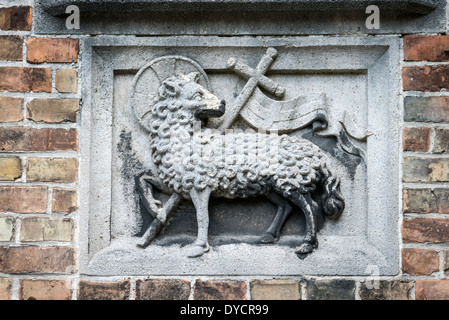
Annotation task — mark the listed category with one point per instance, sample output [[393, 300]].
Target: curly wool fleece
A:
[[232, 164]]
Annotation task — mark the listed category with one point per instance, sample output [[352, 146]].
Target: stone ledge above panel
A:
[[57, 7], [233, 17]]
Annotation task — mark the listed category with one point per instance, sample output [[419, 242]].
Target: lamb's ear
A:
[[168, 88], [193, 77]]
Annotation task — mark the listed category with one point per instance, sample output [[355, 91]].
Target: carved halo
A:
[[150, 77]]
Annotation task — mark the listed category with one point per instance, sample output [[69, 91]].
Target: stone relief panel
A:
[[229, 158], [198, 163]]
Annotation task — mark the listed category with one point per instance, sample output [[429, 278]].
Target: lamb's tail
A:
[[333, 203]]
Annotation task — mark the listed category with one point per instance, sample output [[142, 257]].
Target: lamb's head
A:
[[192, 99]]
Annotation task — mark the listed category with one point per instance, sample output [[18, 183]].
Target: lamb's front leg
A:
[[200, 200]]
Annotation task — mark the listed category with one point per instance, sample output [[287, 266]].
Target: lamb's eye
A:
[[198, 96]]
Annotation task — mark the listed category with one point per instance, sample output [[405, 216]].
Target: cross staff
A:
[[255, 77]]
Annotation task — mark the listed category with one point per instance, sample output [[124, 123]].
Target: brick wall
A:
[[39, 157], [39, 105], [425, 225]]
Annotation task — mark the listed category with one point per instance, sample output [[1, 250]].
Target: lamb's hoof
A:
[[267, 238], [197, 250], [304, 249]]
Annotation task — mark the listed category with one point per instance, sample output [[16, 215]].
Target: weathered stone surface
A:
[[429, 48], [23, 199], [61, 50], [386, 290], [56, 7], [243, 17], [64, 200], [416, 139], [427, 78], [102, 109], [12, 109], [162, 289], [420, 261], [219, 290], [330, 290], [275, 290], [10, 168], [66, 81], [426, 200], [37, 260], [46, 229], [52, 169], [16, 18], [425, 169], [425, 230], [426, 109], [11, 48], [5, 288], [441, 142], [6, 228], [53, 110], [13, 139], [432, 289], [23, 79], [45, 290], [90, 290]]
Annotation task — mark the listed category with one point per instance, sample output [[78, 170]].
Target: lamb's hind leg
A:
[[310, 209], [283, 212], [200, 200]]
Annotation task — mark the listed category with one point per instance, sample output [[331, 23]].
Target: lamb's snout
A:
[[211, 112], [222, 107]]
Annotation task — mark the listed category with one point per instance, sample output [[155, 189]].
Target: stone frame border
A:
[[379, 57]]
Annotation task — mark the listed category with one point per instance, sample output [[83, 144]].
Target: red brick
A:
[[89, 290], [14, 139], [11, 109], [11, 48], [34, 229], [64, 200], [427, 78], [41, 50], [441, 141], [429, 48], [162, 289], [16, 18], [66, 81], [416, 139], [219, 290], [432, 290], [426, 109], [420, 262], [5, 288], [10, 168], [417, 169], [23, 199], [52, 170], [37, 259], [23, 79], [386, 290], [425, 230], [53, 110], [275, 290], [45, 290], [426, 200], [332, 289]]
